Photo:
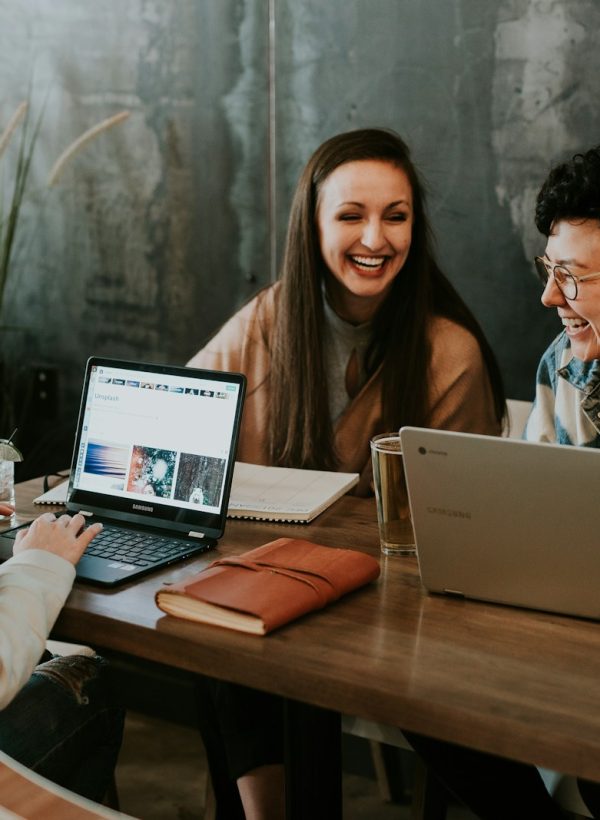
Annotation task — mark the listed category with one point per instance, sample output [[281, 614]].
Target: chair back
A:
[[517, 415]]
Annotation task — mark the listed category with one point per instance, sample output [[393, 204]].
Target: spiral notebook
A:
[[55, 496], [284, 493], [267, 493]]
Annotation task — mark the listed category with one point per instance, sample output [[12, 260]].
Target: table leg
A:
[[313, 762]]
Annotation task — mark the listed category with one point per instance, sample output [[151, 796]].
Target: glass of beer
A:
[[393, 511]]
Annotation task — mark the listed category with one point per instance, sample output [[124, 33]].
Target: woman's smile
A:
[[369, 265]]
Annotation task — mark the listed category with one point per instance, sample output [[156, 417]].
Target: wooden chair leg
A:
[[393, 771], [381, 772], [430, 801]]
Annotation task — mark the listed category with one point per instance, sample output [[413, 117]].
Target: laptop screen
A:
[[156, 444]]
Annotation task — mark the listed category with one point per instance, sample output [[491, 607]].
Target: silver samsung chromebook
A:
[[506, 521]]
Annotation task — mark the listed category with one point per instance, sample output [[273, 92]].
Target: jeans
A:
[[64, 725]]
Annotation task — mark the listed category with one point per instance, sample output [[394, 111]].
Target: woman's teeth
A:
[[574, 323], [368, 262]]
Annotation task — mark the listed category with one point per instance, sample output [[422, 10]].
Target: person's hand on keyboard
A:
[[63, 536]]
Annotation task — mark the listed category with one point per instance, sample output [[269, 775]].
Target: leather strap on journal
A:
[[297, 575]]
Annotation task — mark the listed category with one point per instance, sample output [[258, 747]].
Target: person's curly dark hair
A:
[[571, 191]]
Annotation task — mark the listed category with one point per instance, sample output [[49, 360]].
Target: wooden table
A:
[[507, 681]]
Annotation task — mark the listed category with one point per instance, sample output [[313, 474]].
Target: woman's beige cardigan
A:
[[461, 397]]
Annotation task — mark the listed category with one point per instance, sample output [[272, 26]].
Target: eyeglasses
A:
[[566, 281]]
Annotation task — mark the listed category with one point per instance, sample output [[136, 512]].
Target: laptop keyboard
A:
[[130, 547], [142, 549]]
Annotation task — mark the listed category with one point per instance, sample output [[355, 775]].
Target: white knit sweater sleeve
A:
[[33, 588]]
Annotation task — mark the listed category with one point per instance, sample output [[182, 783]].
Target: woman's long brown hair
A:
[[300, 428]]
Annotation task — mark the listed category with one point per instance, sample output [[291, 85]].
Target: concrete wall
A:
[[161, 227]]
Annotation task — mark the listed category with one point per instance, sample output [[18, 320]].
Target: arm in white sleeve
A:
[[34, 585]]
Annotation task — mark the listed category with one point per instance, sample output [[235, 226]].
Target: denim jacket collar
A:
[[584, 376]]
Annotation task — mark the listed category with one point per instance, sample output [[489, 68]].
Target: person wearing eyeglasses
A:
[[566, 411], [567, 402]]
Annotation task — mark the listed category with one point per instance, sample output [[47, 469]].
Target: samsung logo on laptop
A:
[[449, 513], [142, 507]]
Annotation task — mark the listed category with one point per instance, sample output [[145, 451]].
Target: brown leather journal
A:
[[269, 586]]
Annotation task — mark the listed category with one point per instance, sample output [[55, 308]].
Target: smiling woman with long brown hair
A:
[[362, 333]]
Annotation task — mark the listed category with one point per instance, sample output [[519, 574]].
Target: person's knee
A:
[[73, 673]]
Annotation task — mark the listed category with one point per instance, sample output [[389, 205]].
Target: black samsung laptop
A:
[[153, 460]]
